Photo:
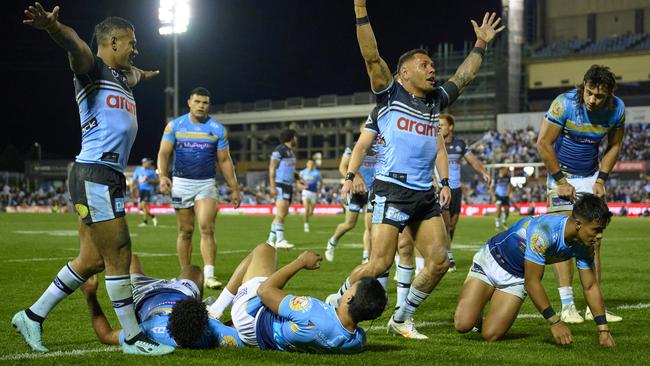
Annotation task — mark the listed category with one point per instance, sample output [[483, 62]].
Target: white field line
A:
[[69, 233], [76, 352]]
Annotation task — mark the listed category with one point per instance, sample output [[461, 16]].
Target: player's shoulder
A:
[[619, 105]]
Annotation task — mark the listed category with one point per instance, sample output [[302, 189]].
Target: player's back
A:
[[456, 150], [306, 325], [285, 172]]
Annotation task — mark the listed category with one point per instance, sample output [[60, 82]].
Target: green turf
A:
[[33, 248]]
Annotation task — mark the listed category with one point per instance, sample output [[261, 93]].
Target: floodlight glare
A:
[[174, 16]]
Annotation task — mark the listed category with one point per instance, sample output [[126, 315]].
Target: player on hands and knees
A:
[[355, 203], [268, 317], [200, 144], [410, 145], [96, 181], [511, 264], [568, 142]]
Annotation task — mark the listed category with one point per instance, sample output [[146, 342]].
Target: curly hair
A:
[[598, 75], [187, 321], [369, 300]]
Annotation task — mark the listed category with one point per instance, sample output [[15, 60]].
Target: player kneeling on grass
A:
[[512, 263], [170, 312], [270, 318]]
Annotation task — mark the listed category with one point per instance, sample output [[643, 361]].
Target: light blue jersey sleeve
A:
[[558, 112], [169, 133], [538, 240], [222, 136], [223, 335], [298, 309]]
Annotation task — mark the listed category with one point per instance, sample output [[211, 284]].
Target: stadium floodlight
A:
[[174, 16]]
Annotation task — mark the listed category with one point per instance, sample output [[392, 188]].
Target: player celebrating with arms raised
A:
[[409, 142]]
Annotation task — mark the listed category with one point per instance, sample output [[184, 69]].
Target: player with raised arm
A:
[[358, 202], [96, 181], [170, 311], [511, 264], [200, 144], [282, 176], [313, 181], [268, 317], [144, 179], [568, 142], [410, 145]]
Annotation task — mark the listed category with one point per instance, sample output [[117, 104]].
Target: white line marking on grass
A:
[[633, 306], [51, 232], [35, 259], [76, 352]]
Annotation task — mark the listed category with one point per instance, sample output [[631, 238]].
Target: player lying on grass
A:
[[170, 312], [512, 263], [270, 318]]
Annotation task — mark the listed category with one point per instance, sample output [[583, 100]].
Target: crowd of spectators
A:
[[21, 196]]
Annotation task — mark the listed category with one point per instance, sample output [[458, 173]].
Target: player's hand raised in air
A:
[[488, 28], [561, 333], [310, 260], [39, 18], [566, 191]]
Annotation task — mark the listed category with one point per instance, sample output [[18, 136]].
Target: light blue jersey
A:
[[153, 315], [144, 177], [407, 128], [312, 179], [367, 168], [285, 173], [306, 324], [108, 116], [582, 131], [456, 151], [539, 239], [196, 146], [501, 185]]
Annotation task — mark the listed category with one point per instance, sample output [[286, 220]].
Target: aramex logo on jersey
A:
[[116, 101], [419, 128]]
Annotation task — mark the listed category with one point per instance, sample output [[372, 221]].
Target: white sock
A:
[[332, 241], [404, 276], [364, 256], [279, 231], [396, 260], [339, 294], [383, 279], [566, 295], [419, 264], [119, 291], [223, 301], [208, 271], [414, 298], [496, 222], [272, 235], [65, 283]]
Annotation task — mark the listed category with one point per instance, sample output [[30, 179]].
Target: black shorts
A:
[[398, 206], [283, 192], [97, 192], [357, 201], [145, 195], [455, 203], [502, 200]]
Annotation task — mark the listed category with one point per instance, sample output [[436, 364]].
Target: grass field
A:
[[33, 248]]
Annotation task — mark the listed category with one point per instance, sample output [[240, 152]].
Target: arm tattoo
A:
[[466, 72]]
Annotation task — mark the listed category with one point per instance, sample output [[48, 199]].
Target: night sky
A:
[[242, 50]]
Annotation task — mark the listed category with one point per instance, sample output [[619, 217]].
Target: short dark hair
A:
[[187, 322], [106, 26], [409, 55], [199, 90], [599, 75], [448, 117], [591, 208], [369, 300], [287, 135]]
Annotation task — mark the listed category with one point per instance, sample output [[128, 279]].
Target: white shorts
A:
[[186, 191], [486, 269], [245, 308], [581, 184], [309, 196], [143, 285]]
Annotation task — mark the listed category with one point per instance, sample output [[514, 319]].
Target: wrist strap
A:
[[350, 176], [478, 50], [558, 176], [602, 176], [444, 182], [362, 21], [548, 312], [600, 320]]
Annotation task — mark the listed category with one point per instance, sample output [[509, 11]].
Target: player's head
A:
[[597, 87], [188, 321], [311, 164], [416, 71], [446, 124], [147, 162], [592, 216], [115, 39], [199, 103], [365, 300], [289, 136]]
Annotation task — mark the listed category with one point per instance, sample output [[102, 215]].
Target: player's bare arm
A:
[[478, 166], [378, 70], [228, 170], [594, 298], [79, 54], [105, 333], [442, 165], [614, 144], [485, 33], [135, 75], [271, 291], [343, 165], [357, 184], [164, 154], [533, 274], [273, 165], [548, 134]]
